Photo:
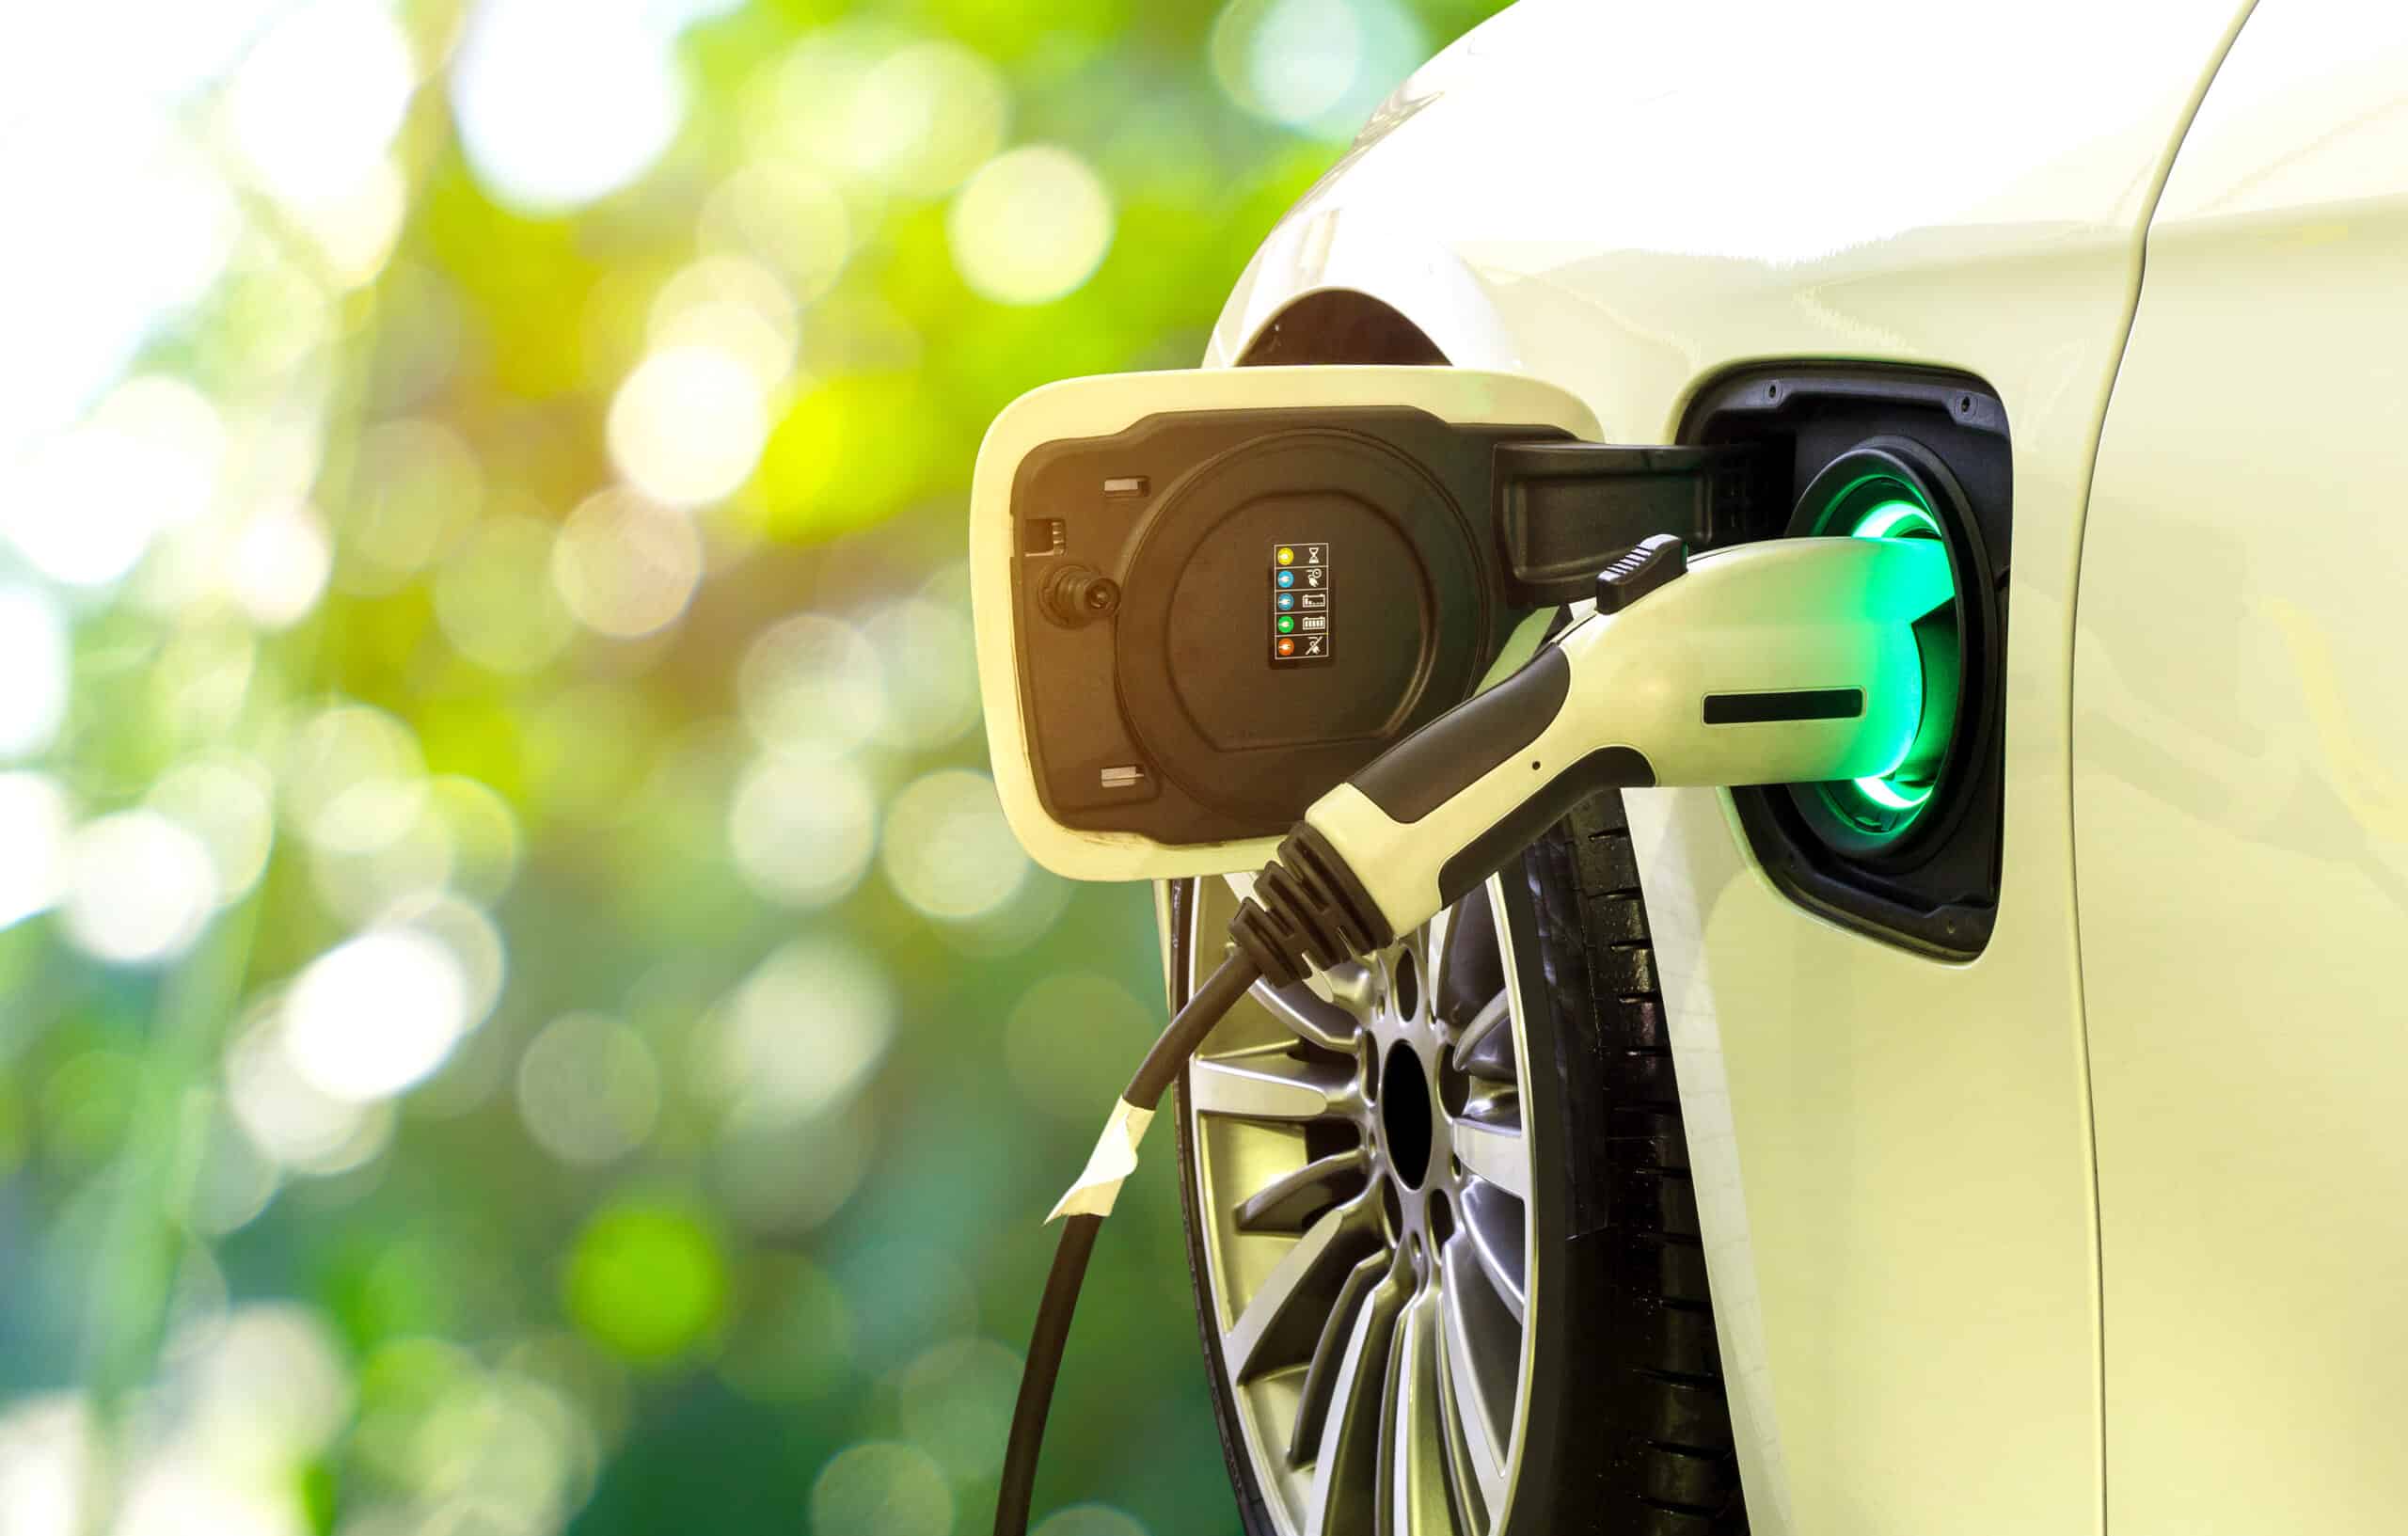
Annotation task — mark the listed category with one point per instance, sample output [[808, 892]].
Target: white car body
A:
[[2104, 1228]]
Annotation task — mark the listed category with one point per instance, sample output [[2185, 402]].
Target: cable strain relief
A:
[[1307, 912]]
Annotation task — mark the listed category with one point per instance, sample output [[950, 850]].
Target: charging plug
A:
[[1783, 662]]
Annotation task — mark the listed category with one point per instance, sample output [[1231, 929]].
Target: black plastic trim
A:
[[1792, 704], [1608, 767], [1560, 505], [1427, 768]]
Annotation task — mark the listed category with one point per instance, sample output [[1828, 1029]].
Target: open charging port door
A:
[[1205, 598]]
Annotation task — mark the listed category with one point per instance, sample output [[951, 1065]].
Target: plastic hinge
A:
[[1566, 510]]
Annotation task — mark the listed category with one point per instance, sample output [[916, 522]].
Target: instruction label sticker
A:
[[1300, 611]]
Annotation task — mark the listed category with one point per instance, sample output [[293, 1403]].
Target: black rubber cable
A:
[[1220, 992], [1037, 1377], [1155, 1075]]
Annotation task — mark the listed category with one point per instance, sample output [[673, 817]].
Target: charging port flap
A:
[[1204, 597]]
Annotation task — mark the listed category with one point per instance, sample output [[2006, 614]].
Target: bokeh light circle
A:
[[647, 1280], [812, 678], [882, 1488], [418, 489], [801, 1035], [626, 566], [484, 835], [271, 1380], [375, 1014], [35, 822], [785, 1177], [336, 748], [1030, 226], [930, 658], [275, 567], [375, 842], [588, 1091], [139, 887], [688, 424], [562, 101], [495, 599], [947, 849], [286, 1116], [84, 506], [467, 932], [924, 117], [731, 304], [801, 826], [955, 1401], [786, 216], [1320, 66], [224, 800], [319, 97]]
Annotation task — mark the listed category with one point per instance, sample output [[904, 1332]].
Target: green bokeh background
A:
[[719, 1316]]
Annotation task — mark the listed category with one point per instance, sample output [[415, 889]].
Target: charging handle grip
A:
[[1789, 662], [1445, 759], [1445, 808]]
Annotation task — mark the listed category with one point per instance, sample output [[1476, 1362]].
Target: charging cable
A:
[[1784, 662]]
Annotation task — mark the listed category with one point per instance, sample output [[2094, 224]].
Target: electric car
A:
[[2021, 1149]]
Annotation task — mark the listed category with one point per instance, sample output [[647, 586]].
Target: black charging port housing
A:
[[1291, 593], [1820, 434]]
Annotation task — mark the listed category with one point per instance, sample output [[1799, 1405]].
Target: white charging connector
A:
[[1793, 661]]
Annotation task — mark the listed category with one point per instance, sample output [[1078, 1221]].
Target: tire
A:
[[1623, 1429]]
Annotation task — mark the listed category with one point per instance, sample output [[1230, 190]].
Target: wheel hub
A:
[[1363, 1140], [1409, 1115]]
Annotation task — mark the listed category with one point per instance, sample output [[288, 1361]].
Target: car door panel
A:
[[2240, 798]]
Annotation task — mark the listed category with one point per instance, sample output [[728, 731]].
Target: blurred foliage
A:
[[520, 1012]]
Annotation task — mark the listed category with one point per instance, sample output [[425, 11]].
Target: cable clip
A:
[[1113, 1161]]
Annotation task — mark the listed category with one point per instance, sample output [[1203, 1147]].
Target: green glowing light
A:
[[1884, 806], [1895, 520], [1883, 792]]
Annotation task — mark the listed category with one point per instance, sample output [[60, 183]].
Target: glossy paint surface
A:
[[1893, 1155], [2241, 751]]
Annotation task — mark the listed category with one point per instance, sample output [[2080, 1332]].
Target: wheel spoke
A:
[[1346, 1470], [1486, 1039], [1352, 987], [1470, 1334], [1289, 1202], [1266, 1087], [1493, 1149], [1328, 1025], [1412, 1439], [1494, 1062], [1472, 970], [1329, 1358], [1493, 1221], [1464, 1479], [1280, 1323], [1433, 943]]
